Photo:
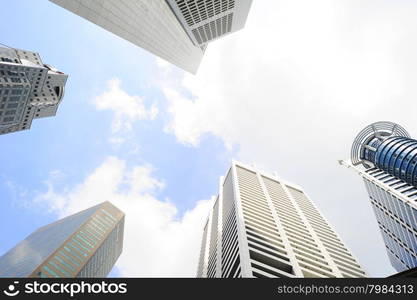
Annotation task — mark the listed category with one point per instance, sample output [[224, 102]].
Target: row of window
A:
[[401, 186], [194, 12], [263, 235], [8, 59], [230, 247], [402, 241], [104, 258], [396, 262], [397, 207], [17, 91], [392, 225], [400, 252], [202, 251], [304, 245], [74, 253]]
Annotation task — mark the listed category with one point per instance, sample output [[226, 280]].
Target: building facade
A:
[[385, 156], [176, 30], [85, 244], [262, 226], [29, 89], [207, 20]]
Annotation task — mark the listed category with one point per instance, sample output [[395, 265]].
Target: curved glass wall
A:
[[396, 156]]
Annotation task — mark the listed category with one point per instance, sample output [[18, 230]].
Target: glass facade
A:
[[101, 263], [389, 168], [86, 244], [396, 155], [397, 221]]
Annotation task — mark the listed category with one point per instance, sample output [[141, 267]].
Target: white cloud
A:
[[293, 88], [18, 193], [157, 241], [278, 70], [126, 108]]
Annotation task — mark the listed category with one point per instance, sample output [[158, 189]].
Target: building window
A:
[[12, 105]]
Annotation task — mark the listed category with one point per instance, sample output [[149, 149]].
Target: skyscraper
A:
[[262, 226], [175, 30], [385, 156], [29, 89], [85, 244]]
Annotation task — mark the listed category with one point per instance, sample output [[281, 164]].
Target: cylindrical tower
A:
[[387, 146]]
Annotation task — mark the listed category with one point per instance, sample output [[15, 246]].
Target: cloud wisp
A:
[[127, 109]]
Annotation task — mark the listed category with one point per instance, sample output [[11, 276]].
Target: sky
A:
[[288, 93]]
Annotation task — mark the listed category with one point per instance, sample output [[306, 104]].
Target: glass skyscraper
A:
[[385, 156], [85, 244]]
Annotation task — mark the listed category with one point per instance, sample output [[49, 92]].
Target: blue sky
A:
[[287, 96], [76, 141]]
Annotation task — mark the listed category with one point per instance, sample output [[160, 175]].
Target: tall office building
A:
[[29, 89], [175, 30], [385, 156], [262, 226], [86, 244]]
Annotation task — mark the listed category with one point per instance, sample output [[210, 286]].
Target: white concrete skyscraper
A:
[[385, 156], [175, 30], [29, 89], [262, 226]]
